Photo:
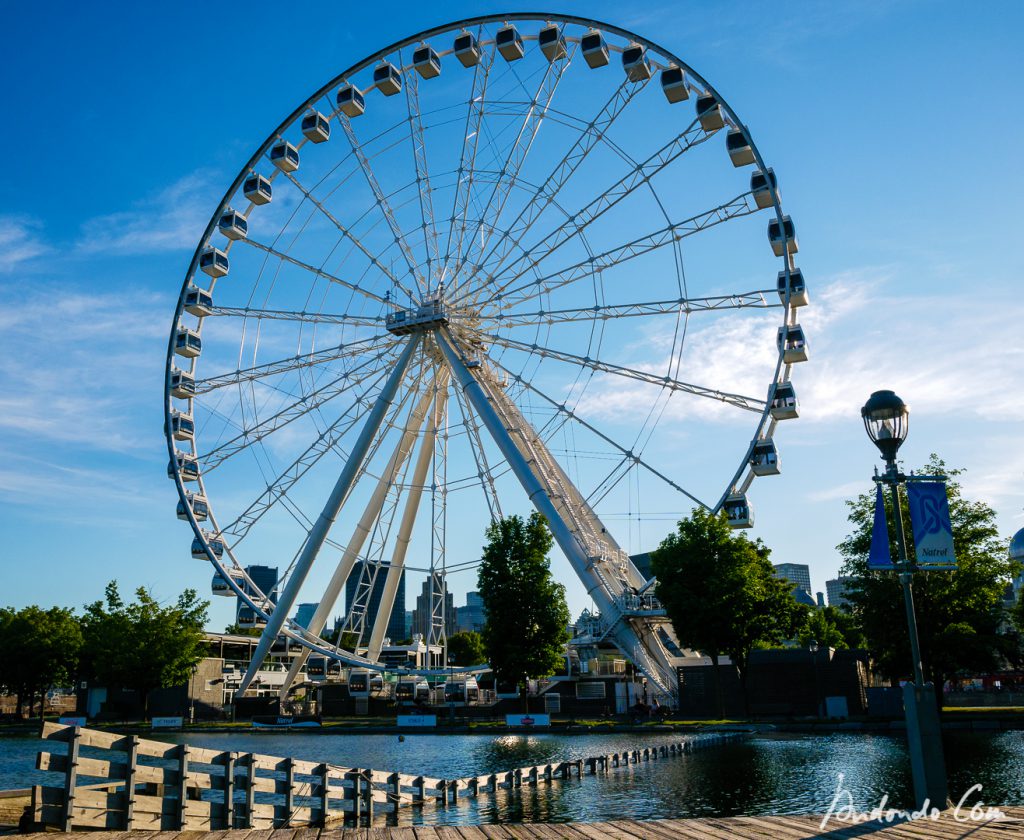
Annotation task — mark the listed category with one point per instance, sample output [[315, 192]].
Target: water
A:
[[763, 774]]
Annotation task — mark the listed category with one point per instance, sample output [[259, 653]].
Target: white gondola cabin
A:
[[595, 49], [426, 62], [738, 146], [220, 586], [784, 404], [258, 189], [461, 691], [673, 84], [233, 225], [510, 43], [249, 619], [738, 511], [185, 464], [796, 287], [214, 262], [199, 546], [198, 504], [198, 302], [183, 384], [635, 63], [761, 185], [183, 427], [552, 42], [363, 683], [351, 101], [316, 128], [764, 458], [793, 344], [783, 238], [412, 690], [284, 156], [467, 49], [387, 78], [187, 343], [709, 112]]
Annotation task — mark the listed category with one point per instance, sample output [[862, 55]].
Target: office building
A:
[[471, 618], [421, 614], [304, 614], [837, 590], [396, 620], [798, 573], [265, 579]]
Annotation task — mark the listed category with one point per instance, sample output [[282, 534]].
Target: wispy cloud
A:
[[20, 241], [168, 220]]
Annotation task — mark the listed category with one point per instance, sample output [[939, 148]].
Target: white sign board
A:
[[70, 720], [417, 720], [528, 720], [167, 722]]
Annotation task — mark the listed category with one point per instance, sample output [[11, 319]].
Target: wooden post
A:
[[289, 791], [228, 760], [352, 793], [420, 791], [369, 797], [129, 782], [250, 789], [395, 790], [324, 772], [183, 752], [70, 779], [579, 768]]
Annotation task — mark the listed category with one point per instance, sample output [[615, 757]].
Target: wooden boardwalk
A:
[[725, 828]]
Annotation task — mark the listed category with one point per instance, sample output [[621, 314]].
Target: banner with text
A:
[[417, 720], [880, 556], [528, 720], [929, 517]]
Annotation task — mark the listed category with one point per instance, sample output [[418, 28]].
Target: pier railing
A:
[[124, 782]]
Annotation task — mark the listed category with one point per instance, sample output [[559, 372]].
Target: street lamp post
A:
[[887, 422]]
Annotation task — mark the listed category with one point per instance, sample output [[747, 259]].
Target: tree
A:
[[526, 630], [721, 593], [237, 629], [831, 627], [143, 645], [466, 648], [959, 613], [38, 651]]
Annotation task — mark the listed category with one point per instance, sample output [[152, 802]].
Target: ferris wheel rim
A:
[[781, 371]]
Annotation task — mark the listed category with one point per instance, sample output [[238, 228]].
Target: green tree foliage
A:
[[831, 627], [38, 651], [959, 613], [527, 616], [237, 630], [466, 648], [143, 645], [721, 593]]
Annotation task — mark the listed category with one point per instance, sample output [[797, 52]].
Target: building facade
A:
[[396, 621], [837, 591], [471, 617], [265, 578], [421, 619], [798, 573]]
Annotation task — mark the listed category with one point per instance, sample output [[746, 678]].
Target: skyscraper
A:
[[265, 578], [472, 616], [396, 621], [837, 590], [304, 614], [798, 573], [421, 615]]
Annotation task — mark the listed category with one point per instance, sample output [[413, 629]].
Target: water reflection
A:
[[777, 774]]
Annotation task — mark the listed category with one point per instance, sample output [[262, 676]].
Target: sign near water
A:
[[929, 517], [417, 720], [528, 720], [167, 722], [70, 720]]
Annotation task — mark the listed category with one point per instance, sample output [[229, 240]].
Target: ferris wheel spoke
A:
[[598, 312], [342, 319], [483, 468], [668, 235], [346, 233], [383, 204], [641, 174], [300, 408], [303, 360], [562, 409], [467, 159], [592, 133], [520, 149], [739, 401], [318, 272], [426, 195]]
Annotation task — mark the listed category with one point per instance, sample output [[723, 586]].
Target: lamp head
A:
[[887, 421]]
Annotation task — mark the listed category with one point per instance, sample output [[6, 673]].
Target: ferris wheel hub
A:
[[430, 315]]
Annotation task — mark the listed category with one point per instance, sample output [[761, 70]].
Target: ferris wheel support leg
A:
[[359, 535], [412, 505], [531, 484], [318, 535]]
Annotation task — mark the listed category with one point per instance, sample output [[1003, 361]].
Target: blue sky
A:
[[894, 128]]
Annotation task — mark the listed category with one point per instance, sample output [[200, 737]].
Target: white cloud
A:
[[169, 220], [19, 242]]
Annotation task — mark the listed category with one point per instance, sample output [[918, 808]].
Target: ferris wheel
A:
[[508, 261]]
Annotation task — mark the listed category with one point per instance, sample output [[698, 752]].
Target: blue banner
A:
[[929, 517], [880, 556]]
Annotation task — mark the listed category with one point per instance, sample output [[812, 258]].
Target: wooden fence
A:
[[159, 786]]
